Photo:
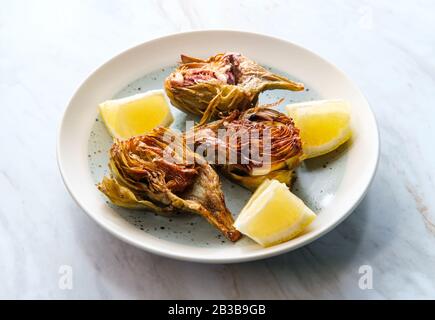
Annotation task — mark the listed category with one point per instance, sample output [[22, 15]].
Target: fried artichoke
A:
[[251, 146], [158, 172], [221, 84]]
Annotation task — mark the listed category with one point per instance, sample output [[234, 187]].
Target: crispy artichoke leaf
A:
[[144, 177], [207, 192], [124, 197], [252, 182], [221, 84], [276, 157]]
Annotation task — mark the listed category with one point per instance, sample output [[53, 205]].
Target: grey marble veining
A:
[[48, 47]]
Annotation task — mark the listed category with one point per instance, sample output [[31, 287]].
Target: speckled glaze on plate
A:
[[331, 185]]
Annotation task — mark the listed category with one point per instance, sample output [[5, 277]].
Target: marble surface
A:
[[48, 47]]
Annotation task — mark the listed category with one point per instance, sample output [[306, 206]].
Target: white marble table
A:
[[48, 47]]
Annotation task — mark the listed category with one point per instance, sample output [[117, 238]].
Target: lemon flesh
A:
[[273, 215], [324, 125], [137, 114]]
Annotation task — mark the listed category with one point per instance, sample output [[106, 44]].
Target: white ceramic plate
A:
[[331, 185]]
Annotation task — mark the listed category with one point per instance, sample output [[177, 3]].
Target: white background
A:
[[47, 48]]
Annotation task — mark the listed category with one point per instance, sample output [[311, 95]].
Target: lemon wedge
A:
[[137, 114], [324, 125], [273, 215]]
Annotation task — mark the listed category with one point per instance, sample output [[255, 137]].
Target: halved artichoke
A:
[[220, 84], [158, 172], [251, 146]]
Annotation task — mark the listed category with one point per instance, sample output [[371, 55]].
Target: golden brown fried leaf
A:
[[221, 84], [258, 144], [158, 172]]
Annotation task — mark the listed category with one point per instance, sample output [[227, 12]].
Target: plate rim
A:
[[255, 255]]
